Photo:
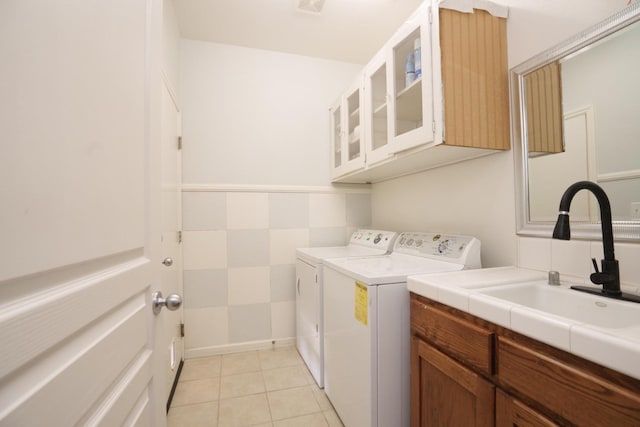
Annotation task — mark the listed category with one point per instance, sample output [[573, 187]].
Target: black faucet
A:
[[609, 277]]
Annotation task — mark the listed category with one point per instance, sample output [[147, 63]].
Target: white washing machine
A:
[[309, 290], [366, 314]]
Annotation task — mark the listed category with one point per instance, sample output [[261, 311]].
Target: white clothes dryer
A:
[[367, 331], [309, 290]]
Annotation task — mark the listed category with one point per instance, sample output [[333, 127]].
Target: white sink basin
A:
[[578, 306]]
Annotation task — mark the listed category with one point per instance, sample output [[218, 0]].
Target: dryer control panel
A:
[[446, 247], [374, 239]]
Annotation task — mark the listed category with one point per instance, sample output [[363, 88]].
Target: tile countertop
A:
[[618, 349]]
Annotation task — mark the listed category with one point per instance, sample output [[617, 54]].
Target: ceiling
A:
[[345, 30]]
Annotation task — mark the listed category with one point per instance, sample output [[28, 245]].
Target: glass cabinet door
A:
[[353, 145], [353, 119], [412, 85], [377, 110], [347, 138], [336, 140]]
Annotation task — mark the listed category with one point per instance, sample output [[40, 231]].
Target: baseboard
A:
[[175, 384], [193, 353]]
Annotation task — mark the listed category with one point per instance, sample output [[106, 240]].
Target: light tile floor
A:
[[257, 388]]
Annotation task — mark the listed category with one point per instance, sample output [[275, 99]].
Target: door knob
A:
[[172, 302], [168, 262]]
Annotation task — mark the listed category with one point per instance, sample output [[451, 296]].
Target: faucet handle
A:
[[609, 277], [599, 278]]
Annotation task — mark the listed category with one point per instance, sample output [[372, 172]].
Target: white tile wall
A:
[[572, 258], [628, 256], [239, 259], [327, 210], [250, 285], [328, 236], [204, 250], [204, 211], [247, 248], [534, 253], [205, 288], [284, 244], [282, 282], [283, 319], [290, 210], [251, 322], [247, 211], [358, 209], [206, 327]]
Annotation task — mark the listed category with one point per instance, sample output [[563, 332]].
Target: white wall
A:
[[256, 186], [474, 198], [170, 46], [257, 117], [477, 197]]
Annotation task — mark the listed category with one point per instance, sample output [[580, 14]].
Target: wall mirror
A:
[[576, 116]]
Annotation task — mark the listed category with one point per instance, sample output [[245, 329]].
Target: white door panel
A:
[[72, 117], [171, 342], [33, 325], [79, 186]]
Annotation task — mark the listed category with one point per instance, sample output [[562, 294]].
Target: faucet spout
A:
[[562, 228], [609, 277]]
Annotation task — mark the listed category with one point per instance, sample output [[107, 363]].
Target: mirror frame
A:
[[623, 230]]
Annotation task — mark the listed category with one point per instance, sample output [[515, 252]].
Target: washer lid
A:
[[318, 255], [387, 269], [363, 242]]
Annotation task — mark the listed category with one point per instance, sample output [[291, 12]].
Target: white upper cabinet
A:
[[440, 63], [347, 141]]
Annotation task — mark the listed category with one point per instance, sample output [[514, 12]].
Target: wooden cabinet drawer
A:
[[573, 393], [457, 337]]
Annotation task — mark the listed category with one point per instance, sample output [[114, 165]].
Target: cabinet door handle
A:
[[298, 285]]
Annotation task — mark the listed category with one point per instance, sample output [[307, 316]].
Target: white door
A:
[[171, 341], [79, 253], [551, 174]]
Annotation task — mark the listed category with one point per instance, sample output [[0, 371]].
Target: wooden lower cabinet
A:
[[510, 412], [466, 371], [445, 393]]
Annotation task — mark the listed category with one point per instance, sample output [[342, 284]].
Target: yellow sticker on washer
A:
[[361, 303]]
